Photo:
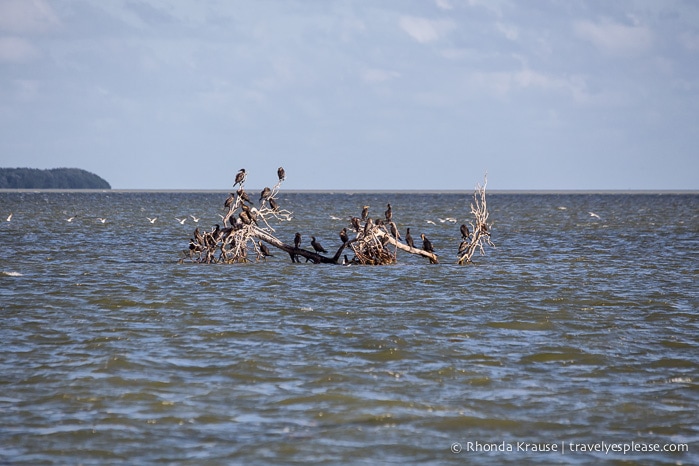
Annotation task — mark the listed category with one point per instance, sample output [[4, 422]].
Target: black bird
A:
[[389, 213], [409, 239], [463, 247], [355, 224], [264, 250], [426, 244], [368, 226], [297, 240], [365, 212], [216, 231], [343, 235], [265, 193], [394, 231], [245, 218], [229, 201], [281, 173], [240, 177], [465, 234], [316, 245], [243, 195], [273, 204]]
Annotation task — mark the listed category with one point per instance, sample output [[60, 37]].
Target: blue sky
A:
[[180, 94]]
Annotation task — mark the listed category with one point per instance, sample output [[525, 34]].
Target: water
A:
[[575, 329]]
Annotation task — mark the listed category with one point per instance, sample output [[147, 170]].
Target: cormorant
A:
[[343, 235], [281, 173], [368, 226], [243, 195], [297, 240], [463, 247], [426, 244], [216, 231], [264, 250], [365, 212], [394, 231], [465, 234], [388, 213], [240, 177], [229, 201], [409, 239], [355, 224], [265, 193], [245, 217], [273, 204], [316, 245]]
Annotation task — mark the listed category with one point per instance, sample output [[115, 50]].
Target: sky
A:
[[355, 95]]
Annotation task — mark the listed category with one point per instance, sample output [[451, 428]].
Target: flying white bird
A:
[[196, 219], [181, 220], [70, 219], [592, 214], [101, 219], [152, 220], [9, 217]]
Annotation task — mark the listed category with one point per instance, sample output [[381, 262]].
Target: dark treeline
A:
[[54, 178]]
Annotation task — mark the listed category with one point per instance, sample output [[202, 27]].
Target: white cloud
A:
[[615, 38], [26, 16], [425, 30], [16, 50]]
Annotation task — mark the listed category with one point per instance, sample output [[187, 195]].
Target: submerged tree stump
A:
[[246, 230]]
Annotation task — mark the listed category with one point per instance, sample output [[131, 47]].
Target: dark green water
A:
[[575, 330]]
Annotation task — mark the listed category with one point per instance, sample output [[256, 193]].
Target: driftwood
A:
[[246, 232], [481, 228]]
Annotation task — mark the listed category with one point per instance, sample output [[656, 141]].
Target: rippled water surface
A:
[[576, 329]]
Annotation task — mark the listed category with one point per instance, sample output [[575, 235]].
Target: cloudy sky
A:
[[402, 94]]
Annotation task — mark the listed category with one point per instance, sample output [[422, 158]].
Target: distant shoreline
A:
[[365, 191]]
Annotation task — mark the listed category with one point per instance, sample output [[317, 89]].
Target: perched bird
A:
[[426, 244], [265, 193], [243, 195], [355, 224], [264, 250], [273, 204], [394, 231], [281, 173], [152, 220], [240, 177], [465, 234], [229, 201], [388, 213], [409, 239], [316, 245], [368, 226], [365, 212], [463, 247], [245, 217], [181, 220], [215, 232], [343, 235], [297, 240]]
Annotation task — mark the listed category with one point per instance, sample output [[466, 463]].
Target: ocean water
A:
[[574, 341]]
